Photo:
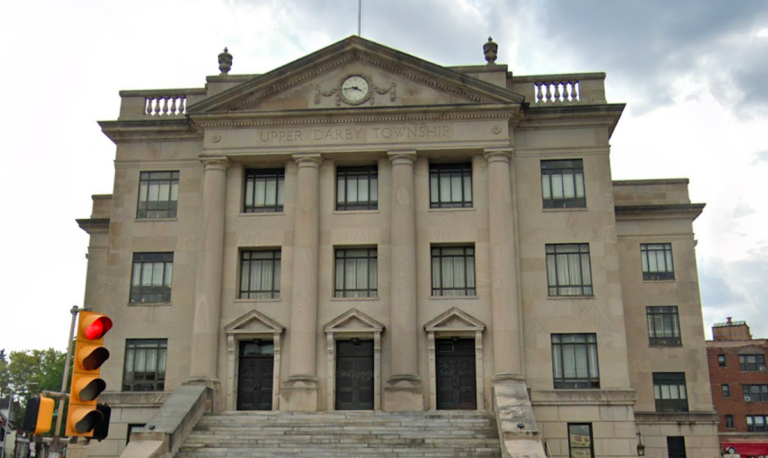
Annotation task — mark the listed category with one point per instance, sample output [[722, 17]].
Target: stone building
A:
[[739, 380], [361, 229]]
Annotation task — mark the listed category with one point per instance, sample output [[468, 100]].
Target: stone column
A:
[[300, 390], [205, 331], [507, 354], [404, 390]]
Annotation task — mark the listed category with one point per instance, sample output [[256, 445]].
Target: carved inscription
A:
[[315, 135]]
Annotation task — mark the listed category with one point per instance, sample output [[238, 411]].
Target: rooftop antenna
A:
[[359, 18]]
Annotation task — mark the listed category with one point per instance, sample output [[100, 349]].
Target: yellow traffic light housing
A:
[[39, 415], [84, 414]]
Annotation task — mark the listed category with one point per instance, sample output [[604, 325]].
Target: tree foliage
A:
[[29, 372]]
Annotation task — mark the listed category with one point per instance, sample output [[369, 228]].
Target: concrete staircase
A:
[[344, 434]]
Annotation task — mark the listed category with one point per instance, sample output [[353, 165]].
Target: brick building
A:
[[739, 387]]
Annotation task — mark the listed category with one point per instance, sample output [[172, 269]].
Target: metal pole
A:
[[55, 449], [360, 18], [7, 424]]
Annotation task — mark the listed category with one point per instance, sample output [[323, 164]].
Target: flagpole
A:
[[359, 18]]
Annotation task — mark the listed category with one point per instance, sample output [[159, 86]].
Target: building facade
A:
[[739, 388], [362, 229]]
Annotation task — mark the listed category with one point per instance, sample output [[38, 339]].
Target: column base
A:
[[514, 417], [299, 394], [213, 404], [404, 393]]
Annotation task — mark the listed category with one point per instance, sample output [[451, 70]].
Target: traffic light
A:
[[39, 415], [84, 414]]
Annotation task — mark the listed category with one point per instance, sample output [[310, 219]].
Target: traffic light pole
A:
[[56, 446]]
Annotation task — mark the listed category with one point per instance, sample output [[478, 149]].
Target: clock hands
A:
[[353, 87]]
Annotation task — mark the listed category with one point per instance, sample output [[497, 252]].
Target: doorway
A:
[[354, 374], [456, 376], [255, 375]]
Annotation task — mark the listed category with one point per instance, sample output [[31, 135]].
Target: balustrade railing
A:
[[158, 104], [568, 89]]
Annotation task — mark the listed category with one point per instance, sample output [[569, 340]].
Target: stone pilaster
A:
[[507, 354], [404, 390], [205, 331], [300, 390]]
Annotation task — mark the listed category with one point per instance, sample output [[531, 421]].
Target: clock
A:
[[355, 89]]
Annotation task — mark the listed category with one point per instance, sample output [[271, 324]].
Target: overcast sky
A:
[[693, 74]]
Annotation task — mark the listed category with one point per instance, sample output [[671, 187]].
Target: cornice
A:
[[663, 211], [150, 130], [360, 115], [583, 397], [676, 417], [573, 115], [94, 225]]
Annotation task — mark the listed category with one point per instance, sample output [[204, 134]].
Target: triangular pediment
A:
[[454, 320], [353, 321], [393, 79], [254, 322]]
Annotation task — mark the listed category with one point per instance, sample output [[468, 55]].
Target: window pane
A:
[[374, 189], [260, 193], [557, 186], [271, 192], [545, 187], [362, 189], [569, 191], [352, 189], [434, 189], [579, 185]]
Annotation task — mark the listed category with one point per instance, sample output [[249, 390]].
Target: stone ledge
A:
[[583, 397], [134, 399], [676, 417]]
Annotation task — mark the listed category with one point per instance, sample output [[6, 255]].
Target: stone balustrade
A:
[[158, 103], [567, 89]]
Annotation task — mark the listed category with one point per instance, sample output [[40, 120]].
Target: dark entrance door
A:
[[456, 385], [676, 446], [254, 378], [354, 375]]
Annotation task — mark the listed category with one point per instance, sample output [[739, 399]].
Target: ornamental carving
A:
[[366, 94]]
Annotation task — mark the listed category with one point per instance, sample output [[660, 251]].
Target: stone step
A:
[[372, 453], [196, 443]]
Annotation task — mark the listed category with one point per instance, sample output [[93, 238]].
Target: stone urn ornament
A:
[[225, 62], [490, 48]]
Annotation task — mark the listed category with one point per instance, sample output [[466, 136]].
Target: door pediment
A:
[[314, 82], [353, 321], [254, 322], [454, 320]]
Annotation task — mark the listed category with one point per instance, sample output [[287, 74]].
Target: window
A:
[[152, 277], [574, 361], [264, 190], [357, 188], [450, 185], [755, 393], [562, 184], [663, 326], [729, 421], [356, 272], [158, 195], [720, 360], [145, 365], [727, 391], [260, 274], [580, 440], [751, 363], [757, 423], [453, 271], [669, 391], [568, 270], [133, 428], [657, 261]]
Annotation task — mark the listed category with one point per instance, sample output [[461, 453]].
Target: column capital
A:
[[308, 159], [407, 157], [215, 162], [498, 154]]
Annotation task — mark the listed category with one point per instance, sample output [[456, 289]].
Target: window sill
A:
[[566, 209], [452, 209], [271, 299], [660, 281], [152, 220], [448, 298], [665, 346], [566, 298], [347, 299], [149, 304], [355, 212], [255, 214]]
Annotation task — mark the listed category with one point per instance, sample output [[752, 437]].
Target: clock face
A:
[[355, 90]]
